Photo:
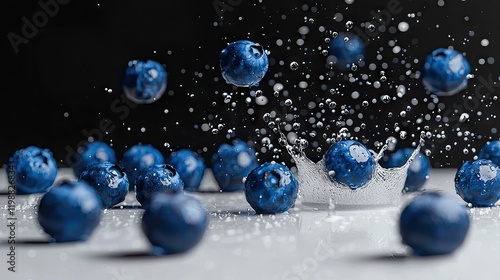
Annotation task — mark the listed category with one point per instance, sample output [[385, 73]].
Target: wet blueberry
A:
[[418, 171], [157, 178], [139, 157], [445, 72], [346, 52], [434, 224], [35, 169], [271, 188], [174, 223], [190, 166], [91, 152], [109, 180], [491, 151], [478, 183], [70, 211], [243, 63], [350, 163], [144, 82], [232, 163]]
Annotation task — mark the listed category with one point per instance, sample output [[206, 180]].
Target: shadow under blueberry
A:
[[120, 207], [30, 242], [398, 257], [134, 255]]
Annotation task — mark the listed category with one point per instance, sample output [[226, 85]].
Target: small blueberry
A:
[[139, 157], [190, 166], [347, 49], [418, 171], [478, 183], [91, 152], [491, 151], [144, 82], [157, 178]]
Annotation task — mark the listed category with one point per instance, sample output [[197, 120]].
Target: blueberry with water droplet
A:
[[434, 224], [491, 151], [144, 82], [174, 223], [157, 178], [271, 188], [35, 169], [418, 171], [109, 180], [445, 72], [347, 52], [478, 183], [138, 157], [91, 152], [190, 166], [70, 211], [243, 63], [352, 163], [232, 163]]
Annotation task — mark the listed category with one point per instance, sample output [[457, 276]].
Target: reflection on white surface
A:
[[304, 243]]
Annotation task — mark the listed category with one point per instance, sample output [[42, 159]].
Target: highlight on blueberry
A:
[[157, 178], [144, 81], [350, 163], [478, 183], [243, 63], [418, 171], [190, 166], [97, 151], [174, 223], [271, 188], [70, 211], [138, 157], [434, 224], [491, 151], [445, 72], [345, 50], [109, 180], [232, 163], [35, 169]]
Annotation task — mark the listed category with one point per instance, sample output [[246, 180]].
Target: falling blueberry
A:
[[190, 166], [346, 49], [91, 152], [70, 211], [271, 188], [445, 72], [144, 82], [139, 157], [157, 178], [434, 224], [174, 223], [35, 169], [232, 163], [109, 180], [478, 183], [350, 163], [418, 171], [491, 151], [243, 63]]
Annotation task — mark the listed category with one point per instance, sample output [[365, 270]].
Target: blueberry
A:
[[350, 163], [345, 53], [478, 183], [91, 152], [491, 151], [271, 188], [445, 72], [35, 169], [232, 163], [157, 178], [190, 166], [109, 180], [144, 82], [174, 223], [418, 171], [434, 224], [70, 211], [139, 157], [243, 63]]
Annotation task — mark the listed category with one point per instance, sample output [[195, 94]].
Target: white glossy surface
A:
[[303, 244]]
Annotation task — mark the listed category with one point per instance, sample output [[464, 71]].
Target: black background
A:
[[54, 87]]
